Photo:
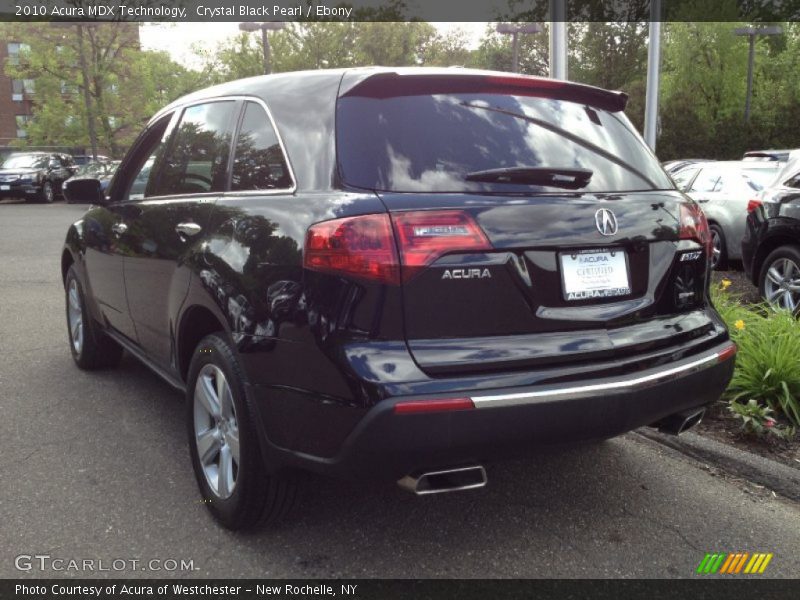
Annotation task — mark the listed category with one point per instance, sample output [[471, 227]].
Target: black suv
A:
[[34, 175], [771, 242], [400, 273]]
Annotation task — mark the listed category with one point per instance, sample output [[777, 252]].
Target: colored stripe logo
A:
[[734, 563]]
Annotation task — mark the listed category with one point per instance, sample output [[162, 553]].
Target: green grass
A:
[[768, 361]]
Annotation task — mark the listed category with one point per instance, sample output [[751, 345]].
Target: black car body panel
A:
[[328, 356], [773, 223]]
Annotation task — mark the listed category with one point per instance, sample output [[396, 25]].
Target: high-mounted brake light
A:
[[358, 246], [694, 226], [752, 205], [424, 236]]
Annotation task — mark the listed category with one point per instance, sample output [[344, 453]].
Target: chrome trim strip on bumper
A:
[[582, 391]]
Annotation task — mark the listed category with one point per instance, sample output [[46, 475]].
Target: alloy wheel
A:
[[216, 431], [75, 316], [716, 248], [782, 284]]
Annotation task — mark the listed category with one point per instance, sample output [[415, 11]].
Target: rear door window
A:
[[196, 160], [437, 142], [258, 160]]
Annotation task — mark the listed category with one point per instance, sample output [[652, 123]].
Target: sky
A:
[[179, 38]]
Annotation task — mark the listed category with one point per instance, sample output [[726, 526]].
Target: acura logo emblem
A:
[[606, 222]]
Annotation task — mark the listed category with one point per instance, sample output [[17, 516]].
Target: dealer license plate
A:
[[590, 274], [5, 188]]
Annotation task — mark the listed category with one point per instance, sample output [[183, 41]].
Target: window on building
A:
[[22, 125], [15, 49], [68, 88], [17, 89]]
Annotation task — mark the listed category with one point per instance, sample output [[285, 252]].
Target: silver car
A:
[[724, 189]]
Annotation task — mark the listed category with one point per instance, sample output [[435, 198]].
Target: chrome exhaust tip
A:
[[449, 480], [679, 422]]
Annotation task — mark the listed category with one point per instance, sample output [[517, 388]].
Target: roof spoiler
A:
[[390, 85]]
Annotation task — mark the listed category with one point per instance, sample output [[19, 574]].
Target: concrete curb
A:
[[780, 478]]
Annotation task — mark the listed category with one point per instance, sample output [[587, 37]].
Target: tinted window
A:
[[197, 159], [432, 142], [258, 162], [793, 182], [153, 145]]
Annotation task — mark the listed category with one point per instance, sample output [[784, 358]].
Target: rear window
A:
[[758, 179], [433, 142]]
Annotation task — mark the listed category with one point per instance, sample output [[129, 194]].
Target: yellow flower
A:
[[725, 283], [739, 324]]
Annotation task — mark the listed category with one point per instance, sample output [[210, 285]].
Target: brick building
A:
[[16, 95]]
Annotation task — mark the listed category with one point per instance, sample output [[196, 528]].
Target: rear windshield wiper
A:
[[571, 179]]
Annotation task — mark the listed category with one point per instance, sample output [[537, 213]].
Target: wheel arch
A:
[[769, 245], [196, 323]]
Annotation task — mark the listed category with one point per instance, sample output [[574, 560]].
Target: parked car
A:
[[768, 155], [101, 171], [435, 267], [34, 175], [673, 166], [724, 190], [85, 159], [771, 243]]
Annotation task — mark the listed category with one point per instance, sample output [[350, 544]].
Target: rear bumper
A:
[[512, 421]]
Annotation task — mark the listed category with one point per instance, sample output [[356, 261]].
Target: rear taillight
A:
[[365, 246], [694, 226], [424, 236], [357, 246], [752, 205]]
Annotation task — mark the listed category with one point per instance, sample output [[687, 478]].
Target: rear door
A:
[[533, 224], [167, 225]]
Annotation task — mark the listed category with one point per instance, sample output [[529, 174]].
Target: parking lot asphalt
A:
[[95, 466]]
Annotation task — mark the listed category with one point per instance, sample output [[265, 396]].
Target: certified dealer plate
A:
[[589, 274], [5, 188]]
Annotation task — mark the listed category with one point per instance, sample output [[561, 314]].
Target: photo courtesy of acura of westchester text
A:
[[326, 298]]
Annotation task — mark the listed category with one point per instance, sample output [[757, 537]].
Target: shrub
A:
[[768, 361]]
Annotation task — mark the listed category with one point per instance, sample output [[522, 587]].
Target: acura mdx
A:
[[401, 273]]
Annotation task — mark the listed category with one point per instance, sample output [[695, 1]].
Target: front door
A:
[[166, 228]]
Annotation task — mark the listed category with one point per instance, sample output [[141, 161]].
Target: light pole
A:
[[514, 29], [751, 33], [264, 27], [557, 10], [653, 74]]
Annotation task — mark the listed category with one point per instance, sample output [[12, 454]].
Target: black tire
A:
[[776, 258], [96, 350], [47, 194], [721, 263], [257, 497]]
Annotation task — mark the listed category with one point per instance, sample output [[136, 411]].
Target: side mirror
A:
[[85, 190], [53, 164]]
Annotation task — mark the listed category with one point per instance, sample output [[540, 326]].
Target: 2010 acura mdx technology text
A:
[[399, 273]]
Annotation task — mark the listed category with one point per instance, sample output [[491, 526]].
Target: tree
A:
[[86, 78]]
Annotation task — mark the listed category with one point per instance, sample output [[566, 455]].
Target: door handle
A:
[[119, 228], [187, 229]]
